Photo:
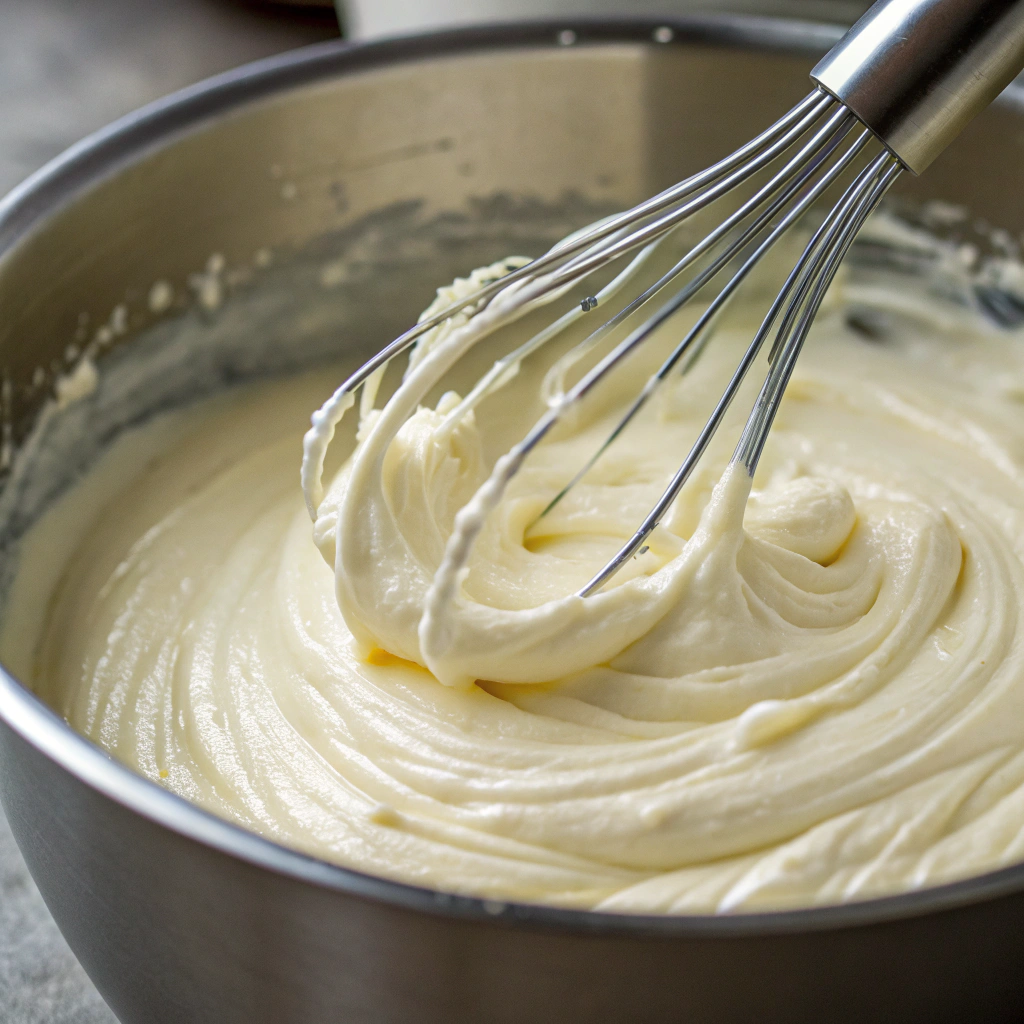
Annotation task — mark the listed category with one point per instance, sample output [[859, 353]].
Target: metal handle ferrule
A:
[[916, 71]]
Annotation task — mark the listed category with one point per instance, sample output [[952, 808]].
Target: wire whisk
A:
[[873, 87]]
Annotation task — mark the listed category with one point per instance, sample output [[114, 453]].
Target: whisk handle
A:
[[917, 71]]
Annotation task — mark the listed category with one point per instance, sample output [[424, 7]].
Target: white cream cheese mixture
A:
[[810, 695]]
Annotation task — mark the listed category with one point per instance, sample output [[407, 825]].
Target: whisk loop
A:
[[816, 143]]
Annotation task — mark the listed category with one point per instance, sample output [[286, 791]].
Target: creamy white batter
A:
[[813, 696]]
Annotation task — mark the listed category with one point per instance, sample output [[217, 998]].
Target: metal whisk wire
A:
[[913, 89], [745, 236], [802, 295]]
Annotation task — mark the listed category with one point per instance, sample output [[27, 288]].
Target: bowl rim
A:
[[103, 153]]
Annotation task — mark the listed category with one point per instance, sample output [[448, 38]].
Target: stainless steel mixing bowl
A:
[[370, 159]]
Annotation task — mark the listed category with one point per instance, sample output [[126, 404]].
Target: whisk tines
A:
[[797, 160]]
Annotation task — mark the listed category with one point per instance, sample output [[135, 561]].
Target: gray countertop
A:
[[68, 67]]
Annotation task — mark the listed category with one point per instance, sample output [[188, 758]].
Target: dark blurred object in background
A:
[[297, 3], [68, 67]]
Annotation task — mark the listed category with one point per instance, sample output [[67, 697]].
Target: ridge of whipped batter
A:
[[808, 690]]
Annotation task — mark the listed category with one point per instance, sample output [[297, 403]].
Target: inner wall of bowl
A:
[[481, 138], [316, 225]]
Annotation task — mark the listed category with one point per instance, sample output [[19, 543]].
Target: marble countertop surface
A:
[[68, 67]]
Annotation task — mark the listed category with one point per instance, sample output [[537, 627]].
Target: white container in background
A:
[[368, 18]]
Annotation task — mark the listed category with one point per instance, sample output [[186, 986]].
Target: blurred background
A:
[[67, 67]]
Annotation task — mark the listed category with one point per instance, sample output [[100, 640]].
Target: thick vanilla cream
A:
[[809, 695]]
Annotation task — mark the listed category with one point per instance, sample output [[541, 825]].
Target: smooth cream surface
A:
[[811, 696]]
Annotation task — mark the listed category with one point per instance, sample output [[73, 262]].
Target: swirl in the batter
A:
[[811, 695]]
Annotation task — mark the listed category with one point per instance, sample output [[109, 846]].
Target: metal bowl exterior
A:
[[180, 917]]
